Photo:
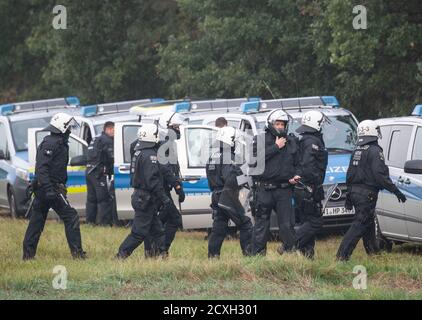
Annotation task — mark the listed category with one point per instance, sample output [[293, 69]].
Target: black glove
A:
[[349, 204], [181, 193], [166, 202], [400, 196]]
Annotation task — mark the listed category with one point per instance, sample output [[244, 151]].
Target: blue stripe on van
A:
[[337, 168]]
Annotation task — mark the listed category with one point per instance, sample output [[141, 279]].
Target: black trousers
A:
[[100, 202], [145, 224], [310, 216], [67, 214], [363, 226], [279, 200], [172, 221], [219, 229]]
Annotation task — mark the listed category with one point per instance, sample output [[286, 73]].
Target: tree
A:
[[107, 53], [375, 69], [230, 48]]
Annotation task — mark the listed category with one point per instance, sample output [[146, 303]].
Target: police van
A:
[[401, 140], [339, 136], [92, 119], [15, 120]]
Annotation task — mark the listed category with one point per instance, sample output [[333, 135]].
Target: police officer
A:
[[309, 193], [274, 187], [366, 176], [221, 122], [148, 196], [169, 131], [50, 188], [222, 176], [99, 173]]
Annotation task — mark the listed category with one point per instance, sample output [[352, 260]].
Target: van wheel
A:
[[383, 244], [12, 204]]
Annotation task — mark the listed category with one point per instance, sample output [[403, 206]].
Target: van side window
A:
[[233, 123], [3, 140], [399, 145], [86, 133], [383, 142], [417, 147]]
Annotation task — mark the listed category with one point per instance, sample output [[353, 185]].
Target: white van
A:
[[402, 144]]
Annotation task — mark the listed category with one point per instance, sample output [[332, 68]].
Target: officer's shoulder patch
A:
[[153, 158], [315, 147]]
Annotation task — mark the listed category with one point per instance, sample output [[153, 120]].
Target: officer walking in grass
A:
[[366, 176], [50, 188], [169, 131], [222, 176], [309, 193], [149, 195]]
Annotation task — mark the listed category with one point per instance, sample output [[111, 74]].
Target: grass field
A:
[[188, 274]]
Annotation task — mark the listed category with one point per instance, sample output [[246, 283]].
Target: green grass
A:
[[188, 274]]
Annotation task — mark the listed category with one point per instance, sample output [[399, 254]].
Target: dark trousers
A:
[[172, 221], [220, 224], [39, 214], [310, 216], [100, 202], [279, 200], [145, 224], [363, 226]]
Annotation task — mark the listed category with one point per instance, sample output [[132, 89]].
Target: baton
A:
[[307, 188], [328, 196], [31, 203]]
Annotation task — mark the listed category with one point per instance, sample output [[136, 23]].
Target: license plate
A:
[[337, 211]]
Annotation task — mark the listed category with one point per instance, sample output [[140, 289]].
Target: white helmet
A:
[[62, 122], [312, 119], [368, 131], [148, 133], [230, 136], [368, 128], [278, 115]]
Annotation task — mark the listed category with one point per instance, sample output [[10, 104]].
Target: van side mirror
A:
[[413, 166], [79, 161]]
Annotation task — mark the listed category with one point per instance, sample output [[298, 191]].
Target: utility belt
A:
[[143, 191], [58, 187], [99, 169], [358, 187], [272, 185], [217, 191]]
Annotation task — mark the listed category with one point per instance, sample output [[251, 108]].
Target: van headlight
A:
[[23, 174]]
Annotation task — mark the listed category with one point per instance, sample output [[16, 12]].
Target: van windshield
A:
[[20, 131], [340, 134]]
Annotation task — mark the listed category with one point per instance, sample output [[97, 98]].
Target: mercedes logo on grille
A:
[[336, 195]]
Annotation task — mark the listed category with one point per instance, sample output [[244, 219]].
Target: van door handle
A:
[[124, 167], [400, 180], [407, 181]]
